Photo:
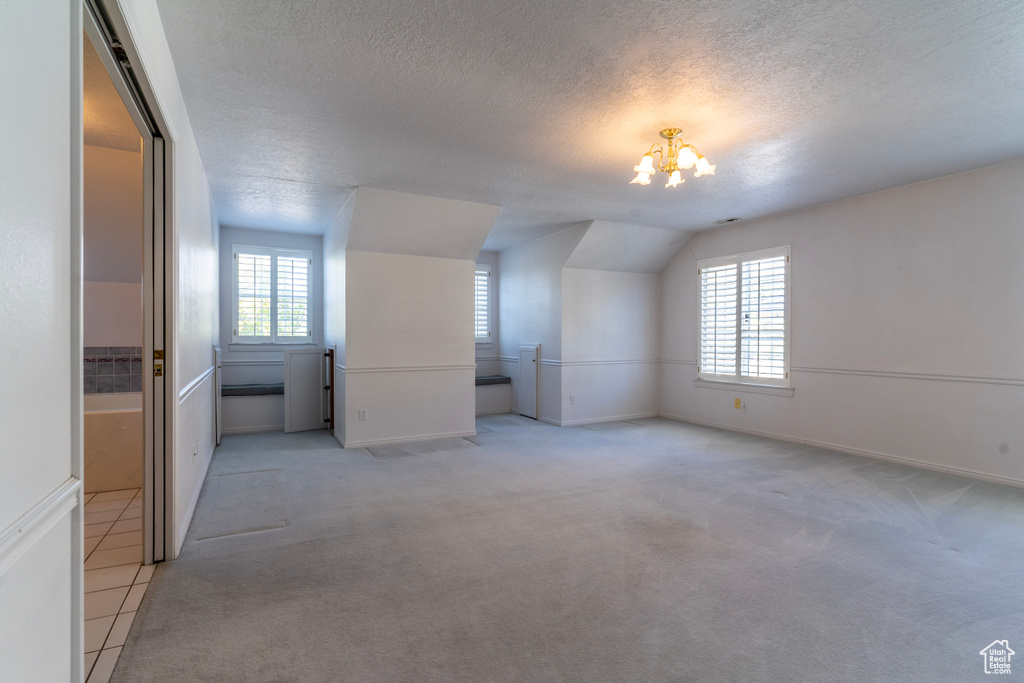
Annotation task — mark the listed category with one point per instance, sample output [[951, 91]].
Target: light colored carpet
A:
[[658, 552]]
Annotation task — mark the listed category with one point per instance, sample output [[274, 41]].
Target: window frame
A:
[[274, 339], [738, 260], [489, 339]]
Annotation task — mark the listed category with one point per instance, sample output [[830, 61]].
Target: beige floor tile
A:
[[105, 603], [126, 525], [123, 494], [110, 577], [145, 573], [134, 599], [96, 631], [131, 513], [90, 659], [90, 544], [112, 558], [111, 541], [104, 516], [104, 665], [106, 505], [94, 530], [119, 632]]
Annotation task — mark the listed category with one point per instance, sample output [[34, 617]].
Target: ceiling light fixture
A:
[[679, 157]]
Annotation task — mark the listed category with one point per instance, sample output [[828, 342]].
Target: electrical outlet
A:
[[362, 413], [572, 399], [744, 404], [737, 403]]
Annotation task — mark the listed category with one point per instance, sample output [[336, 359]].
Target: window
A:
[[744, 318], [481, 298], [271, 295]]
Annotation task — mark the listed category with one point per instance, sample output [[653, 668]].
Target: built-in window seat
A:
[[251, 389], [493, 394]]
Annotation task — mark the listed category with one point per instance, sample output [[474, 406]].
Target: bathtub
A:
[[113, 442]]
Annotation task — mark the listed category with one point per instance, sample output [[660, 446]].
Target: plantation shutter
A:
[[763, 318], [718, 320], [293, 296], [481, 318], [254, 295]]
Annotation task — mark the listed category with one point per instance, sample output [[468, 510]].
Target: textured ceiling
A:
[[106, 121], [543, 107]]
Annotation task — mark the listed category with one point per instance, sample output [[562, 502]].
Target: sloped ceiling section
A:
[[106, 122], [399, 223], [626, 248]]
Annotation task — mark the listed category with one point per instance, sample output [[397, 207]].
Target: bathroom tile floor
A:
[[115, 579]]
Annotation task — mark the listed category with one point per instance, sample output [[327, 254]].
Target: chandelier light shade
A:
[[678, 156]]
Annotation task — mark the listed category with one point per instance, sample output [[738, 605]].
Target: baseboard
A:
[[616, 418], [252, 430], [547, 420], [992, 478], [406, 439], [493, 412], [179, 542]]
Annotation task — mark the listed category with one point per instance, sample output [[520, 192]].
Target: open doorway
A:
[[123, 323]]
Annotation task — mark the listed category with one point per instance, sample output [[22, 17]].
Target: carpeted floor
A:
[[652, 551]]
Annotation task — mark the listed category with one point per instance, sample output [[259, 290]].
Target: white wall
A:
[[905, 325], [334, 242], [194, 265], [112, 314], [409, 348], [530, 296], [610, 345], [261, 363], [40, 349], [113, 204]]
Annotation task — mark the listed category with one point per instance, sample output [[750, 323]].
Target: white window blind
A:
[[292, 296], [272, 295], [254, 295], [481, 320], [744, 318], [763, 315], [718, 320]]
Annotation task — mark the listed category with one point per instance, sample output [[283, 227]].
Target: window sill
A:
[[744, 387], [267, 346], [485, 345]]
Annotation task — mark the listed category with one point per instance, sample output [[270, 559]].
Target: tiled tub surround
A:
[[112, 369], [113, 442], [115, 579]]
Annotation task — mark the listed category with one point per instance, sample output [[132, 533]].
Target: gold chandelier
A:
[[676, 158]]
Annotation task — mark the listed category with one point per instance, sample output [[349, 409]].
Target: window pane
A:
[[763, 311], [292, 296], [481, 321], [718, 320], [253, 295]]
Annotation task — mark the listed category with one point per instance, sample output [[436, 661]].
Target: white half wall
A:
[[905, 332]]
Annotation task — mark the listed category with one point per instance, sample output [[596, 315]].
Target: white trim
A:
[[508, 359], [496, 412], [252, 430], [670, 361], [19, 537], [571, 363], [547, 420], [598, 420], [744, 387], [255, 362], [551, 361], [408, 439], [195, 384], [852, 451], [411, 368], [938, 377]]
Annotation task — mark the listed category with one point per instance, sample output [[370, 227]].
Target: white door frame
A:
[[107, 29]]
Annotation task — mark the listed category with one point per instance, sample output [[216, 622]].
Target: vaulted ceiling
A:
[[543, 107]]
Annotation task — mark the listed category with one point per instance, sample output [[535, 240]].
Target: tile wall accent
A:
[[112, 369]]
